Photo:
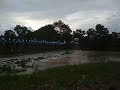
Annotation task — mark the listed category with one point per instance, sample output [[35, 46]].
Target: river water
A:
[[79, 57], [60, 58]]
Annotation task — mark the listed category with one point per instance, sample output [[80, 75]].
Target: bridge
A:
[[30, 42]]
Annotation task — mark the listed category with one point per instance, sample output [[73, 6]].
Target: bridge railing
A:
[[31, 41]]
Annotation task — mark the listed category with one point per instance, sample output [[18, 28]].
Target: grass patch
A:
[[66, 78]]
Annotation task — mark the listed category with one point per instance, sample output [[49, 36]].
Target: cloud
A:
[[83, 14], [89, 19]]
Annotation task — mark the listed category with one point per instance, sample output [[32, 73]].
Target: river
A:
[[79, 57], [60, 58]]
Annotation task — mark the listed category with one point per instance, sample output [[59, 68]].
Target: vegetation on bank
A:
[[93, 76], [44, 38]]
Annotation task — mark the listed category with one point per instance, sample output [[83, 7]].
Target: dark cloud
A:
[[77, 13]]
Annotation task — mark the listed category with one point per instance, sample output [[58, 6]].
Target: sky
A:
[[78, 14]]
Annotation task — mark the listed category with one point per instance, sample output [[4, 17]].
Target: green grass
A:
[[64, 78]]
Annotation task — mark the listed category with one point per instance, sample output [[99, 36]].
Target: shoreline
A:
[[28, 62], [41, 61]]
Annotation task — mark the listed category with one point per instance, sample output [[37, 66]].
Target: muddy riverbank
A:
[[27, 64]]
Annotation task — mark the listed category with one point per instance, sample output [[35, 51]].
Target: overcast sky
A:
[[82, 14]]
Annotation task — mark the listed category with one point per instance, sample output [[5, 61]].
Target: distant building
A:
[[76, 41]]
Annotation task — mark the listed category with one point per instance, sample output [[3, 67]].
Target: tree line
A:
[[58, 31], [97, 38]]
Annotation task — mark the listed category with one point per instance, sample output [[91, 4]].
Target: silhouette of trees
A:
[[79, 34], [9, 33], [61, 27], [98, 39], [76, 34], [21, 31], [114, 35], [66, 36], [58, 26], [92, 39], [91, 33], [46, 33], [63, 30], [101, 30]]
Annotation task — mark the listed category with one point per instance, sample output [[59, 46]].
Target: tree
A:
[[91, 33], [21, 30], [46, 33], [9, 33], [63, 30], [61, 27], [101, 30], [114, 35], [58, 26], [78, 33], [67, 37]]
